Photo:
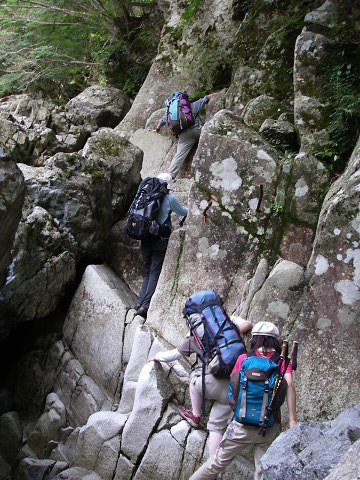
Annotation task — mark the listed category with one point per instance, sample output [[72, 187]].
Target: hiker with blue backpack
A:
[[217, 342], [258, 385], [183, 119], [150, 221]]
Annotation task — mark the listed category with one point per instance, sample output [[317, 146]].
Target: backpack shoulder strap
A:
[[275, 357], [235, 382]]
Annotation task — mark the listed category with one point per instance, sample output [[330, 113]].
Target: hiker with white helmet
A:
[[153, 250], [254, 423], [212, 334]]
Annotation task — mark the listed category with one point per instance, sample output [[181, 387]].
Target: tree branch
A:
[[32, 4]]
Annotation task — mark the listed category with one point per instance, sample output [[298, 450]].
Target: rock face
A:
[[12, 197], [98, 106], [130, 440], [270, 227], [71, 204], [330, 303], [312, 451], [34, 129]]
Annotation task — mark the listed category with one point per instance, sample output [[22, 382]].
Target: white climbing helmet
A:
[[166, 177], [265, 328]]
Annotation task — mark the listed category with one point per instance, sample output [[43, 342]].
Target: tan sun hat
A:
[[265, 328], [166, 177]]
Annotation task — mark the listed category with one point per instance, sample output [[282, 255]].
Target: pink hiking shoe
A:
[[189, 417]]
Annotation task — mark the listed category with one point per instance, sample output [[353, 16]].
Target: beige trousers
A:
[[232, 443], [187, 139]]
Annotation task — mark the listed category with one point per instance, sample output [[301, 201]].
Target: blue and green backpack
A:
[[178, 112], [251, 390]]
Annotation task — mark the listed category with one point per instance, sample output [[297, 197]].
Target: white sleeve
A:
[[169, 356], [242, 324]]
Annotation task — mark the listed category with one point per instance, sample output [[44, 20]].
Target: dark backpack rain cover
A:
[[144, 209]]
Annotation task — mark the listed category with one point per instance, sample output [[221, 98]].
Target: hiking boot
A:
[[192, 419], [142, 312]]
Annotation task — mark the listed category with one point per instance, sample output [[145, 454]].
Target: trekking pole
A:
[[181, 223], [205, 215], [293, 356], [283, 355]]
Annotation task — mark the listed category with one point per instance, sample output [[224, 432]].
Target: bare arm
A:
[[291, 399]]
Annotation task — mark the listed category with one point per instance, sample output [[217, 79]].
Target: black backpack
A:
[[144, 209]]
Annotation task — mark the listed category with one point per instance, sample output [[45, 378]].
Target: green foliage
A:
[[276, 207], [339, 73], [96, 174], [59, 47], [279, 144], [265, 41]]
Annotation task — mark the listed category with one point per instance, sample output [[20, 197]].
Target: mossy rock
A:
[[259, 109]]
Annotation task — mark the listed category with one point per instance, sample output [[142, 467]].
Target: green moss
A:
[[96, 174], [280, 145], [190, 12], [110, 147], [265, 42]]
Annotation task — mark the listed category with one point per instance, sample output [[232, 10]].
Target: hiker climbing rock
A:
[[213, 328], [150, 221], [187, 130], [253, 424]]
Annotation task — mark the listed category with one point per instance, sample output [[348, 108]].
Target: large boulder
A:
[[348, 468], [328, 313], [123, 162], [12, 196], [310, 104], [48, 427], [152, 396], [98, 443], [259, 109], [52, 368], [72, 202], [26, 129], [98, 106], [44, 262], [309, 182], [33, 469], [95, 324], [33, 129], [28, 110], [311, 450], [277, 295]]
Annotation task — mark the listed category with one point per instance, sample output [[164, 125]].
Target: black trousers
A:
[[153, 254]]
